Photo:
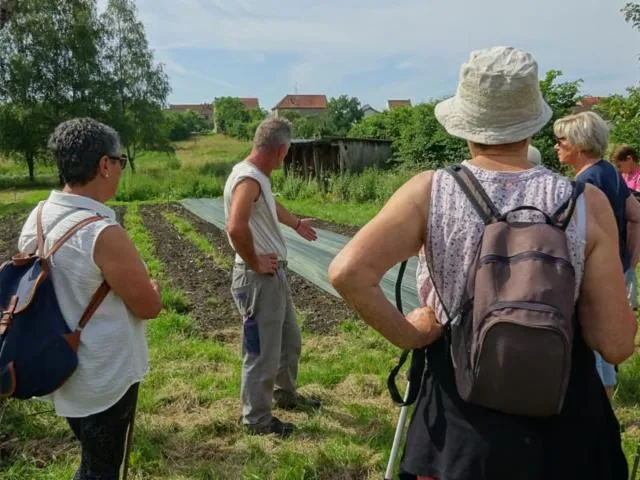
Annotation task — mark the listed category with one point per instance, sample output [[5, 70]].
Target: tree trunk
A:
[[30, 164]]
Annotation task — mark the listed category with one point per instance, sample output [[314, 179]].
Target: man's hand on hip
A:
[[266, 264], [305, 229]]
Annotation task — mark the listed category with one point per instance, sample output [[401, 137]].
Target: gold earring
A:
[[106, 175]]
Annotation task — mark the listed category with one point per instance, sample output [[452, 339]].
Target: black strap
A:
[[478, 197], [417, 359], [563, 214]]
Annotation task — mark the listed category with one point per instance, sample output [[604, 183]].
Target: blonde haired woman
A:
[[582, 142]]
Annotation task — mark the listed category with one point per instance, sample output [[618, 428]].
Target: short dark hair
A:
[[621, 153], [78, 145]]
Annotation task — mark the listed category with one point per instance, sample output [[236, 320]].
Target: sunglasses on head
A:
[[122, 159]]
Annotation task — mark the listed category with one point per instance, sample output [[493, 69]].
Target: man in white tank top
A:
[[271, 336]]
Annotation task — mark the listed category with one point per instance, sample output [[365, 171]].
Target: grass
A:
[[344, 213]]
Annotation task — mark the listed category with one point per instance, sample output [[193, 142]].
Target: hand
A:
[[156, 285], [305, 229], [267, 264], [428, 329]]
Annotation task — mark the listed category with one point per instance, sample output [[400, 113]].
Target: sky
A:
[[377, 49]]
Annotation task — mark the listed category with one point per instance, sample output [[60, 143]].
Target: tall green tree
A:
[[562, 97], [229, 114], [343, 113], [48, 72], [135, 86]]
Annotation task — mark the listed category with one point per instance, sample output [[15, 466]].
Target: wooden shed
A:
[[318, 158]]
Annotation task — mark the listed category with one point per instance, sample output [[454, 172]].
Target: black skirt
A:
[[449, 439]]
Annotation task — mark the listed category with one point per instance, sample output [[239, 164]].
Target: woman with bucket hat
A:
[[497, 108]]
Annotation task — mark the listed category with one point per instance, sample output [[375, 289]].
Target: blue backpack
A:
[[38, 351]]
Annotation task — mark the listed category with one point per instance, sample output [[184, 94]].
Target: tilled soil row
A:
[[322, 311], [205, 284], [10, 228]]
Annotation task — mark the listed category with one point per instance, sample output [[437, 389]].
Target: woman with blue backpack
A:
[[97, 266], [517, 286]]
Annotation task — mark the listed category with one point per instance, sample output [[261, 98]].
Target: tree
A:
[[631, 12], [135, 87], [623, 113], [562, 97], [48, 72], [229, 113], [5, 12], [342, 114]]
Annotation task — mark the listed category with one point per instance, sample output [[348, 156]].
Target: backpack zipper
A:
[[494, 258]]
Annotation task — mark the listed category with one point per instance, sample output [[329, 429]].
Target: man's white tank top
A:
[[264, 225]]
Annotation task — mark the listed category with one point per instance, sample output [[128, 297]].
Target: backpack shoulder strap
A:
[[61, 241], [472, 189], [562, 216], [39, 230]]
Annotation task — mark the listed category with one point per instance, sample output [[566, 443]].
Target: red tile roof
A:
[[590, 101], [398, 103], [302, 102], [202, 107], [250, 103]]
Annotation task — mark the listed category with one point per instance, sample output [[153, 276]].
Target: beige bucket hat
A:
[[498, 99]]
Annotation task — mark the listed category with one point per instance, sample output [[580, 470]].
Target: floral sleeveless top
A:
[[455, 229]]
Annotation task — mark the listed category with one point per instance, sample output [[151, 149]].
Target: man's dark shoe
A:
[[295, 401], [281, 429]]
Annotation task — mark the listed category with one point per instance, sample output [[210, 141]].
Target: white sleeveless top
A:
[[264, 225], [113, 349], [455, 228]]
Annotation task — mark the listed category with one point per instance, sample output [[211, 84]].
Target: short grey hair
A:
[[78, 145], [586, 130], [272, 133]]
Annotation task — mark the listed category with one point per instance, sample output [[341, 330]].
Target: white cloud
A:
[[334, 39]]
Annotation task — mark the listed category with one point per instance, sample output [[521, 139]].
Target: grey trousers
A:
[[271, 341]]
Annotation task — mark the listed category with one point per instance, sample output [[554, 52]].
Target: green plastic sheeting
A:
[[311, 259]]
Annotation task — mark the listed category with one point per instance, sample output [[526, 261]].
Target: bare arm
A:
[[607, 321], [303, 226], [632, 207], [285, 217], [394, 235], [244, 196], [126, 274]]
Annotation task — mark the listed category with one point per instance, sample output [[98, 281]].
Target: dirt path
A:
[[205, 285], [321, 311]]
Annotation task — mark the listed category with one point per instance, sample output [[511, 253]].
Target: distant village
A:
[[309, 105], [316, 105]]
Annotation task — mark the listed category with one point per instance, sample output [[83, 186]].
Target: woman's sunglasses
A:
[[122, 159]]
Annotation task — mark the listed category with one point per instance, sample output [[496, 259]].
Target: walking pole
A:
[[127, 452], [404, 411]]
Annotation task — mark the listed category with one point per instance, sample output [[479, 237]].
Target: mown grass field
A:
[[187, 426]]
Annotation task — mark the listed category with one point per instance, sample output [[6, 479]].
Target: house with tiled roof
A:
[[587, 103], [308, 105], [205, 110], [368, 111], [393, 104], [250, 103]]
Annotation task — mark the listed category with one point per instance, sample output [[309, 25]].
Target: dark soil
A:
[[205, 285], [10, 228], [322, 311]]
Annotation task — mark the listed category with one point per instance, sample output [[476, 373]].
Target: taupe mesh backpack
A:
[[511, 339]]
